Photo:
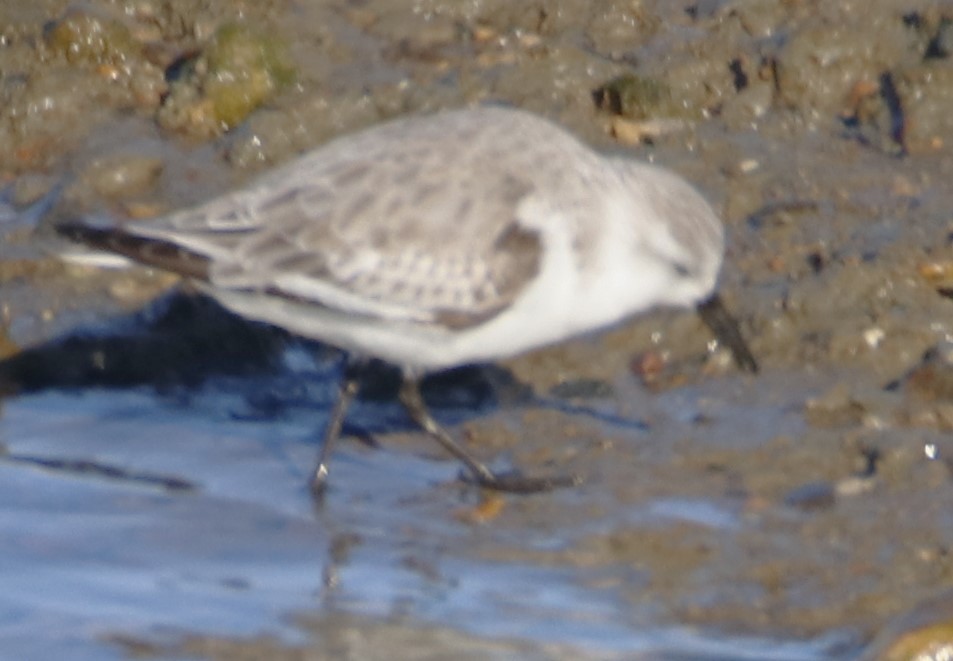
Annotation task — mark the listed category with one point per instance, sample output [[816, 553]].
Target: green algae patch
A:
[[239, 70], [244, 70], [82, 37], [635, 97]]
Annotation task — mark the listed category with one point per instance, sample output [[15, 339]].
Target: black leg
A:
[[725, 328], [349, 388], [513, 482]]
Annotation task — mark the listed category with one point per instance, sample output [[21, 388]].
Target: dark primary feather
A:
[[161, 254]]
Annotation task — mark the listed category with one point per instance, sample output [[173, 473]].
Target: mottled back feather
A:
[[374, 223]]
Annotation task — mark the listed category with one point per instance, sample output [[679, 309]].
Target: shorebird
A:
[[436, 241]]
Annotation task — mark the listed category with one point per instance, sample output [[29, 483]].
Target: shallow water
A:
[[89, 556]]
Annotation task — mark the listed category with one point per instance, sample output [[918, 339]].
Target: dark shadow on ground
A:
[[185, 340]]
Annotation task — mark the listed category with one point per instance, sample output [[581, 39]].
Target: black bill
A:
[[725, 328]]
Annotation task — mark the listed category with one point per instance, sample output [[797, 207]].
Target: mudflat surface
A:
[[155, 450]]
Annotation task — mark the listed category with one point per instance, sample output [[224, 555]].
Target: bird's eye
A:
[[682, 270]]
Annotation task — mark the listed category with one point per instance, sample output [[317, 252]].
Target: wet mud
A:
[[155, 453]]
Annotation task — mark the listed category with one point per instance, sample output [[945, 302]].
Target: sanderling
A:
[[437, 241]]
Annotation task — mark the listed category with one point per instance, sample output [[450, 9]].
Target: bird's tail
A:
[[150, 251]]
